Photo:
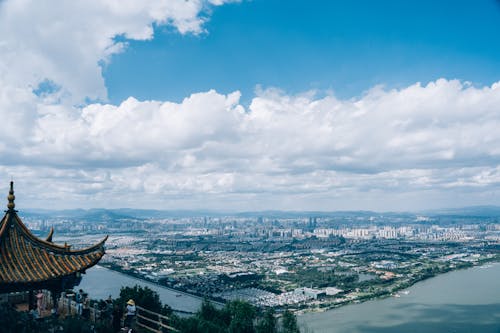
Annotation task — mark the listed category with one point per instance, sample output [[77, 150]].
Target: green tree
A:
[[242, 317], [268, 323], [208, 312], [144, 297], [289, 323], [187, 325]]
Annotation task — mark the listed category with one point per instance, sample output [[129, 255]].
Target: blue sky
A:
[[250, 105], [345, 46]]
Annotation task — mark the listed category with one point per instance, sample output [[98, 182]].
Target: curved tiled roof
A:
[[25, 258]]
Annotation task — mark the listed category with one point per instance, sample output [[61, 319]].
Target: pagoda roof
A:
[[27, 259]]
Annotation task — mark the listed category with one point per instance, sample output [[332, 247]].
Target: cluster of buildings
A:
[[417, 232], [281, 261], [265, 298]]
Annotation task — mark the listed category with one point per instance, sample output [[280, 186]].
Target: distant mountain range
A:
[[130, 213], [80, 214], [479, 211]]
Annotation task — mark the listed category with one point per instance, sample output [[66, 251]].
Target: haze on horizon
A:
[[250, 105]]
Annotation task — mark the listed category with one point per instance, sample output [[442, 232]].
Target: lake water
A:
[[460, 301], [101, 282]]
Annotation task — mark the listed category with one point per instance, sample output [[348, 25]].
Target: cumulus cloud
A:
[[133, 132], [67, 42], [438, 136], [387, 149]]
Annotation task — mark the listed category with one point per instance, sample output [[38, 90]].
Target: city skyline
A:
[[250, 105]]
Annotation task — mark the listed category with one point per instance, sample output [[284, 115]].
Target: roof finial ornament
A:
[[11, 197]]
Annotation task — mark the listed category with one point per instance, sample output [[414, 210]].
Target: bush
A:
[[144, 297]]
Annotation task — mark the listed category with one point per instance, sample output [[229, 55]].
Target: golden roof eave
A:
[[50, 245], [26, 259]]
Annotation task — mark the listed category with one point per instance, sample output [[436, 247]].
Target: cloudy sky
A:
[[250, 105]]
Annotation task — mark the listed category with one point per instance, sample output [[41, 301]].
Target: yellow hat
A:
[[131, 302]]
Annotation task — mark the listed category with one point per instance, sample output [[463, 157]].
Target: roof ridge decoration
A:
[[49, 237], [11, 197], [27, 259]]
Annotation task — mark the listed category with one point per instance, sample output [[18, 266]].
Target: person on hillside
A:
[[39, 302], [130, 313], [86, 306], [79, 302]]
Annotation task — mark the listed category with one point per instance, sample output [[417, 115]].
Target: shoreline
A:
[[314, 309], [142, 279], [394, 292]]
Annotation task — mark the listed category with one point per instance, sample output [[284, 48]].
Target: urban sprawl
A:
[[299, 262]]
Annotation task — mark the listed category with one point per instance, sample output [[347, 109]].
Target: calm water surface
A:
[[460, 301], [101, 282]]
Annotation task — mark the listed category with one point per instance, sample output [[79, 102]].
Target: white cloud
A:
[[133, 132], [66, 41], [282, 149], [422, 145]]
